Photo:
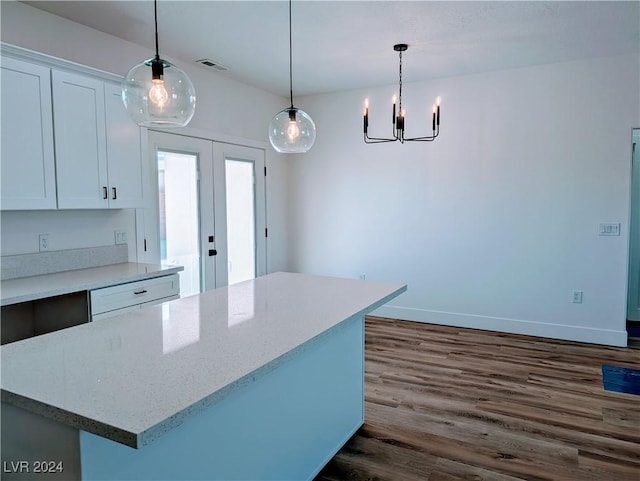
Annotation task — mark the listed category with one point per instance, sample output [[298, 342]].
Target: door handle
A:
[[105, 195], [213, 252], [113, 190]]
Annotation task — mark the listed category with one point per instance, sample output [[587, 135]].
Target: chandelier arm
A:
[[377, 140], [429, 138], [369, 140]]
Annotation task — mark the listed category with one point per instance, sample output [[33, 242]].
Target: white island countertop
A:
[[134, 377], [32, 288]]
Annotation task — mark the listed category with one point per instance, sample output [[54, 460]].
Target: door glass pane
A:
[[241, 224], [179, 225]]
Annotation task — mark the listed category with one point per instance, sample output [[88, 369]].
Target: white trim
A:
[[32, 56], [215, 137], [514, 326]]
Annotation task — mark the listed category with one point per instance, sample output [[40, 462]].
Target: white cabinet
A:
[[81, 148], [98, 151], [114, 300], [27, 156], [96, 159], [124, 154]]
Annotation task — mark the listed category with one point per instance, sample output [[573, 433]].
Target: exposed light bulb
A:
[[293, 131], [158, 94]]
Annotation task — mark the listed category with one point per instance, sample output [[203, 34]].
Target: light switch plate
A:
[[609, 229]]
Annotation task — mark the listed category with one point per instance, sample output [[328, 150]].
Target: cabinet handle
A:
[[105, 195], [143, 291], [113, 189]]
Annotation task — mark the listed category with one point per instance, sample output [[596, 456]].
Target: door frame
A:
[[633, 285]]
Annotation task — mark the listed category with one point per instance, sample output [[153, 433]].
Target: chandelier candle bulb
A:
[[393, 116], [366, 115], [433, 122]]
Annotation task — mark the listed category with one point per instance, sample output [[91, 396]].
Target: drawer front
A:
[[133, 293], [124, 310]]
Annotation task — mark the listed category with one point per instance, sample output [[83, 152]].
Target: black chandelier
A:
[[398, 116]]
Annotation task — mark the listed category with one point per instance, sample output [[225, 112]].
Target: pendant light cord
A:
[[155, 11], [290, 59]]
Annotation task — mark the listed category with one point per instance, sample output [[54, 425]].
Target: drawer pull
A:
[[143, 291]]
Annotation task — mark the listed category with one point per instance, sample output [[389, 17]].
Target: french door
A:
[[207, 212]]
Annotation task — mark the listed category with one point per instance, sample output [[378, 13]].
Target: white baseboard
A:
[[514, 326]]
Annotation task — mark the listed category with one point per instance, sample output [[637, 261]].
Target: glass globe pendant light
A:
[[156, 93], [292, 130]]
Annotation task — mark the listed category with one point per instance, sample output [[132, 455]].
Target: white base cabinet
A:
[[111, 301]]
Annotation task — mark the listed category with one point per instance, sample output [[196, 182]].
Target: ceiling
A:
[[340, 45]]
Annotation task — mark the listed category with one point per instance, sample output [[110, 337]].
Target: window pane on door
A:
[[241, 224], [179, 217]]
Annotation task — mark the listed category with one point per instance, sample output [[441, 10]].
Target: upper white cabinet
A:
[[98, 156], [67, 141], [27, 155], [124, 154], [80, 140]]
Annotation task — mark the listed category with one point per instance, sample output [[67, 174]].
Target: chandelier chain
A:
[[400, 93]]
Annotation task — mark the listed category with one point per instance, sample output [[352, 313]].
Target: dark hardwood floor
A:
[[446, 403]]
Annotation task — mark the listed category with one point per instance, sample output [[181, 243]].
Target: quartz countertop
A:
[[32, 288], [133, 377]]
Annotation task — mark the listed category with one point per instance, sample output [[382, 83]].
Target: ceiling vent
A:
[[211, 64]]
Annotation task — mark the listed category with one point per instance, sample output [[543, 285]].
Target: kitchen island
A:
[[260, 380]]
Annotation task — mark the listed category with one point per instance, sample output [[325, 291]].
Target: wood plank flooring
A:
[[445, 403]]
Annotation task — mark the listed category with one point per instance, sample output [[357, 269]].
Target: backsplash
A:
[[25, 265]]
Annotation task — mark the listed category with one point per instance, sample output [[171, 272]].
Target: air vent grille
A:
[[207, 62]]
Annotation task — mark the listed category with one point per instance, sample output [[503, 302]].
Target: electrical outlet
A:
[[43, 240], [577, 297], [121, 236], [363, 277]]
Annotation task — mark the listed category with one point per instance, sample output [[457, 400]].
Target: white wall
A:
[[495, 223], [218, 99]]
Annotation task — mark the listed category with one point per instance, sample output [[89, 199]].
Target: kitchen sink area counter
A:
[[274, 365]]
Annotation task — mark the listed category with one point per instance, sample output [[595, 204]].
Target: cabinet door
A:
[[27, 159], [124, 156], [80, 141]]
